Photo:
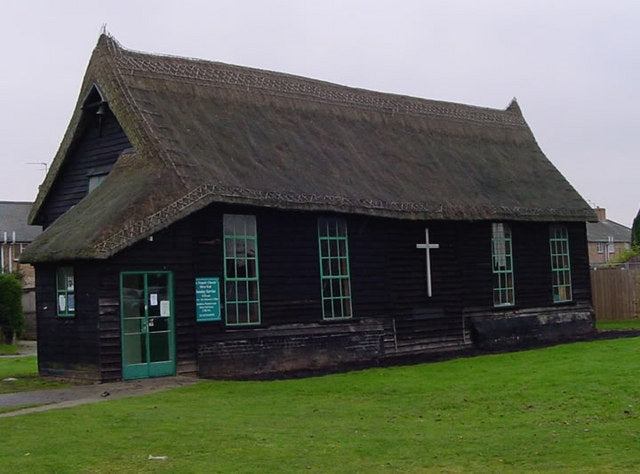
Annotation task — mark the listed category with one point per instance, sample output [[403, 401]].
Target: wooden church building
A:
[[221, 221]]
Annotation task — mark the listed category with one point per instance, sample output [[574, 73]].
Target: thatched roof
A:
[[206, 132]]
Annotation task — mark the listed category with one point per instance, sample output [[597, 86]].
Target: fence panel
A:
[[616, 292]]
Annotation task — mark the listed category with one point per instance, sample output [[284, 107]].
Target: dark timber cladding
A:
[[307, 204], [393, 316], [93, 154]]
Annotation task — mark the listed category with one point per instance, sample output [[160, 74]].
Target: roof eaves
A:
[[208, 193]]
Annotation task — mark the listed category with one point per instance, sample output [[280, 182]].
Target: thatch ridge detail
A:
[[294, 86], [204, 132]]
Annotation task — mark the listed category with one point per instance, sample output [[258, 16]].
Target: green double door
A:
[[148, 348]]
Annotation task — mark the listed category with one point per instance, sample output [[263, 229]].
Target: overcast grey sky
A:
[[574, 67]]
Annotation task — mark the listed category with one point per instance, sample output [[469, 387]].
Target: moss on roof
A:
[[210, 132]]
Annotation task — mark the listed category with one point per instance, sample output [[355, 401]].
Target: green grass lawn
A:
[[8, 349], [616, 325], [571, 408], [25, 371]]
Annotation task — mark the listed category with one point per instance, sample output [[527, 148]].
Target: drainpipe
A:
[[11, 252], [2, 253]]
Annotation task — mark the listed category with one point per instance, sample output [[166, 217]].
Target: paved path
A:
[[25, 348], [81, 394]]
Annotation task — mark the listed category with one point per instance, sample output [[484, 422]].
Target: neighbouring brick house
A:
[[15, 235], [607, 239]]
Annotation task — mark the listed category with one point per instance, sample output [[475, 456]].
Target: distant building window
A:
[[96, 180], [502, 259], [560, 264], [335, 280], [611, 246], [242, 292], [601, 246], [66, 303]]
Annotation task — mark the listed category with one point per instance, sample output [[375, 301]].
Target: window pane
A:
[[243, 316], [135, 348], [328, 308], [251, 269], [502, 257], [346, 307], [325, 267], [254, 313], [334, 268], [159, 346], [336, 287], [560, 263], [62, 303], [65, 287], [95, 181], [333, 248], [241, 269], [71, 302], [230, 247], [232, 313]]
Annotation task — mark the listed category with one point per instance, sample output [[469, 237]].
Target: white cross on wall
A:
[[427, 246]]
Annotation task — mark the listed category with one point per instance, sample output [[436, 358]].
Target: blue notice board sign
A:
[[208, 299]]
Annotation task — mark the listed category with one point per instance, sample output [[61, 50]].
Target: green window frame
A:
[[65, 292], [242, 286], [560, 264], [502, 265], [96, 180], [335, 279]]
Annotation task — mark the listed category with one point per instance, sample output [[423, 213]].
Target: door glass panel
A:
[[157, 291], [159, 346], [158, 324], [133, 319], [147, 325], [135, 349], [133, 325]]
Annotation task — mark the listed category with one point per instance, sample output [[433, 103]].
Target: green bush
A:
[[11, 315], [625, 255]]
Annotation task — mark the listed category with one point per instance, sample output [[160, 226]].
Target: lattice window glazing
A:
[[334, 268], [242, 289], [65, 292], [502, 262], [560, 263]]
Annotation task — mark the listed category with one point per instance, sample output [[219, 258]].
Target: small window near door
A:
[[65, 304]]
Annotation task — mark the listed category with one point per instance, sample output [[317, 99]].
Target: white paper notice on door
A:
[[153, 299], [164, 308]]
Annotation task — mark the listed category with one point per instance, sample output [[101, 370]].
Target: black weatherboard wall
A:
[[392, 314], [96, 150]]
